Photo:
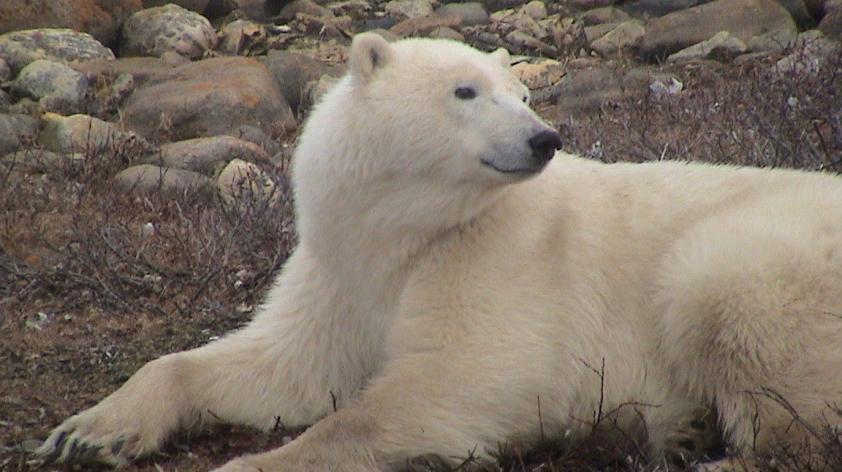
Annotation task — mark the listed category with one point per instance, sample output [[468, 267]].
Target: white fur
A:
[[442, 304]]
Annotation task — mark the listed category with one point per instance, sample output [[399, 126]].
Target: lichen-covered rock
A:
[[624, 37], [56, 86], [241, 180], [83, 133], [101, 18], [742, 18], [207, 155], [208, 98], [409, 8], [16, 131], [19, 48], [154, 31], [722, 46], [150, 179]]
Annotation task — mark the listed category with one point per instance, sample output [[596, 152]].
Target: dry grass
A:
[[94, 282]]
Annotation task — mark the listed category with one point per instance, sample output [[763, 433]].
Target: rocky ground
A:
[[144, 204]]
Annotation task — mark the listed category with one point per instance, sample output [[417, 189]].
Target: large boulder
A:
[[20, 48], [155, 31], [744, 19], [293, 71], [209, 98], [101, 18]]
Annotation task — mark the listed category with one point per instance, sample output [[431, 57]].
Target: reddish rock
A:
[[101, 18], [209, 98]]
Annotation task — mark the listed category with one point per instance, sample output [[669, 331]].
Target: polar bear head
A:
[[421, 128]]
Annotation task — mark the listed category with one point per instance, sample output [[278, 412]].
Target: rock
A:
[[592, 33], [308, 7], [772, 41], [242, 38], [57, 86], [255, 135], [19, 48], [321, 26], [598, 16], [470, 13], [542, 78], [443, 32], [522, 42], [101, 18], [356, 9], [625, 37], [38, 161], [16, 131], [209, 98], [742, 18], [148, 179], [582, 91], [316, 89], [5, 70], [198, 6], [535, 9], [292, 71], [409, 8], [831, 24], [244, 181], [5, 101], [425, 24], [798, 10], [83, 133], [656, 8], [206, 156], [154, 31], [811, 52], [722, 47]]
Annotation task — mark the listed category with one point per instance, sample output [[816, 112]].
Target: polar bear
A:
[[460, 284]]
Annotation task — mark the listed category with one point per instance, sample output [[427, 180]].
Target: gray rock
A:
[[656, 8], [582, 91], [443, 32], [19, 48], [772, 41], [55, 85], [198, 6], [100, 18], [255, 135], [799, 12], [409, 8], [141, 69], [148, 179], [742, 18], [209, 98], [812, 52], [601, 15], [5, 70], [625, 37], [831, 24], [356, 9], [5, 101], [242, 38], [307, 7], [38, 161], [154, 31], [243, 181], [542, 78], [536, 9], [592, 33], [316, 89], [722, 47], [292, 71], [471, 13], [16, 131], [83, 134], [206, 155]]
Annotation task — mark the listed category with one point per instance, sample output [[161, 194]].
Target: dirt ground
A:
[[94, 282]]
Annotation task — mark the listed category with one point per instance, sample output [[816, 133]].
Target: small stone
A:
[[598, 16], [307, 7], [206, 155], [409, 8], [16, 131], [148, 179], [5, 70], [19, 48], [471, 13], [772, 41], [542, 78], [425, 24], [244, 181], [242, 38], [357, 9], [443, 32], [535, 9], [29, 446], [625, 37], [592, 33], [154, 31], [82, 133], [522, 41], [722, 46], [52, 83]]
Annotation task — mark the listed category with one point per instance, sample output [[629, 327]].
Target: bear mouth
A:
[[516, 171]]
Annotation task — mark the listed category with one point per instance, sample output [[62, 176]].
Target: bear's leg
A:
[[290, 366], [681, 437], [752, 321], [417, 407]]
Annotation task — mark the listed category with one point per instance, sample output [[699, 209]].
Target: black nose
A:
[[544, 144]]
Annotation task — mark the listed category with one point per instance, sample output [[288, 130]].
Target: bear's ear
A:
[[502, 56], [369, 52]]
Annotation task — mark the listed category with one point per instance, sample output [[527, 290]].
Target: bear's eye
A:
[[465, 93]]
